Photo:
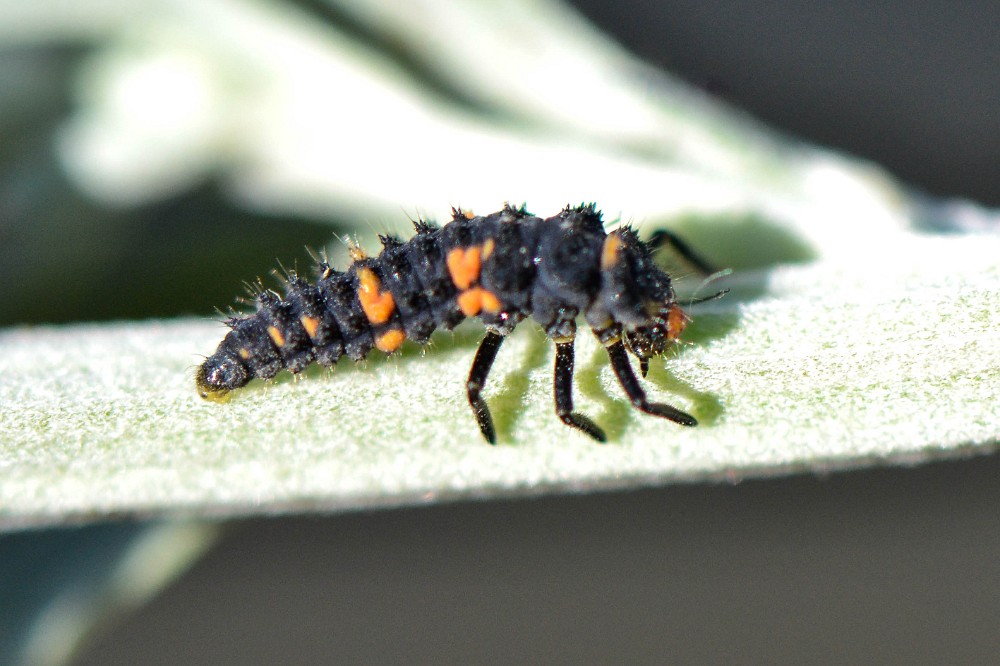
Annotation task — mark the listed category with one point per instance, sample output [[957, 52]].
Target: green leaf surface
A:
[[892, 357]]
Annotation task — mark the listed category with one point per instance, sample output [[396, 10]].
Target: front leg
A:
[[626, 377], [563, 385]]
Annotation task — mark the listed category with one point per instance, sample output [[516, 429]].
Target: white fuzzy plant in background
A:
[[882, 347]]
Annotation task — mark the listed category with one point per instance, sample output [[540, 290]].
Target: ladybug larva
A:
[[502, 268]]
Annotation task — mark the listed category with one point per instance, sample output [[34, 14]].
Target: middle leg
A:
[[564, 393]]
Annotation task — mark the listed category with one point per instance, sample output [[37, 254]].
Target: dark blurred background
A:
[[890, 566], [910, 85]]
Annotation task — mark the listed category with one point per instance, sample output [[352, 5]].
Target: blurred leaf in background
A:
[[155, 154]]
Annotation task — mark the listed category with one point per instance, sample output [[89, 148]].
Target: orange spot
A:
[[470, 302], [378, 305], [609, 253], [244, 353], [473, 301], [677, 319], [311, 324], [276, 335], [468, 214], [490, 302], [488, 248], [390, 340], [464, 265]]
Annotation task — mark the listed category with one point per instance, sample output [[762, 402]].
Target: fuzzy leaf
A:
[[802, 368]]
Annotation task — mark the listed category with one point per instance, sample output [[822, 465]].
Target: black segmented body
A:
[[501, 267]]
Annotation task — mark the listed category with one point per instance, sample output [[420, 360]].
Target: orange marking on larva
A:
[[244, 353], [464, 265], [677, 320], [473, 301], [276, 336], [609, 253], [378, 305], [490, 302], [468, 214], [470, 302], [488, 248], [311, 324], [390, 340]]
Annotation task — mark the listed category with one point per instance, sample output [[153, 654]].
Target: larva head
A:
[[659, 335], [639, 296], [218, 375]]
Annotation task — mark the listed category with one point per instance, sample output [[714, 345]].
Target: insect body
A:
[[502, 268]]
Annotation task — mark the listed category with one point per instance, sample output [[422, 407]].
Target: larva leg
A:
[[663, 237], [485, 356], [564, 393], [626, 377]]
